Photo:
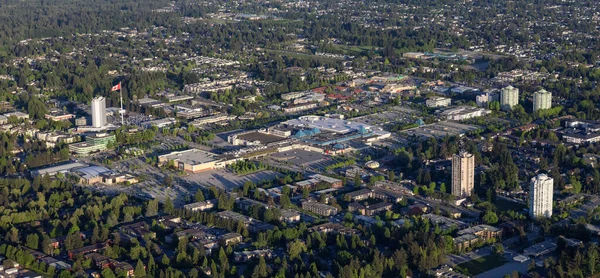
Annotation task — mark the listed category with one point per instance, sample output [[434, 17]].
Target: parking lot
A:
[[395, 116], [306, 160], [440, 130], [225, 179]]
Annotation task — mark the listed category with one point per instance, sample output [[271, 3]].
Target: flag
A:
[[116, 87]]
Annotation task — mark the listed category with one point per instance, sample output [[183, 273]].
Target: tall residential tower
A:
[[509, 97], [98, 112], [540, 196], [463, 174], [542, 99]]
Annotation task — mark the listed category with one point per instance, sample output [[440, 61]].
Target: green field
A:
[[480, 265], [294, 54], [353, 49]]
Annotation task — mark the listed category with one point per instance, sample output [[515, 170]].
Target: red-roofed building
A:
[[338, 97], [319, 89]]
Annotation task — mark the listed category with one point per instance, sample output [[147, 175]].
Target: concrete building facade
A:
[[319, 208], [98, 112], [463, 174], [509, 97], [542, 99], [438, 102], [541, 191]]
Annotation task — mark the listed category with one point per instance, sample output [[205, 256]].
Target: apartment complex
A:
[[509, 97], [542, 99], [463, 174], [319, 208], [540, 196]]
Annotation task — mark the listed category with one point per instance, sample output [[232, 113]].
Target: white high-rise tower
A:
[[98, 112], [509, 97], [540, 196], [542, 99]]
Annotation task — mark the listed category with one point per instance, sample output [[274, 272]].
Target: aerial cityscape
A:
[[299, 138]]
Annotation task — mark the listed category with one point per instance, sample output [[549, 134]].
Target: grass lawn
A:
[[480, 265], [504, 205], [300, 55], [354, 49]]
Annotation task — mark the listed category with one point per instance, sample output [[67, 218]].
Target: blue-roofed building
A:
[[300, 134]]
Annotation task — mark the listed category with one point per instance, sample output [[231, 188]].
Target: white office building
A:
[[540, 196], [542, 99], [509, 97], [98, 112]]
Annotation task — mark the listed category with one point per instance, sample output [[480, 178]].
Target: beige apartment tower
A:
[[463, 174], [542, 99], [509, 97]]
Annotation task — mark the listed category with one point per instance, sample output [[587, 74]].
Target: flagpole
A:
[[121, 112]]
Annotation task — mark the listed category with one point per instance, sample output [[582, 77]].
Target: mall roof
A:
[[92, 171], [323, 123], [191, 157], [53, 170]]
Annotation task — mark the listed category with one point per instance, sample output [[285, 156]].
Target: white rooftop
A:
[[191, 157], [328, 124]]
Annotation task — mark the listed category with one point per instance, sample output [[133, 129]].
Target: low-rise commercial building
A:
[[289, 216], [100, 139], [58, 115], [192, 160], [230, 239], [540, 249], [438, 102], [85, 149], [464, 112], [333, 228], [202, 206], [93, 143], [245, 256]]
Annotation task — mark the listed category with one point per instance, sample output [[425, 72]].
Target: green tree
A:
[[140, 270], [165, 260], [152, 208], [357, 179], [490, 217], [108, 273], [32, 241], [296, 248], [199, 196], [305, 192], [169, 207], [261, 270]]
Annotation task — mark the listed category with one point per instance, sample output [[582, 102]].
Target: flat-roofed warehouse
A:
[[53, 170], [192, 160], [255, 138]]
